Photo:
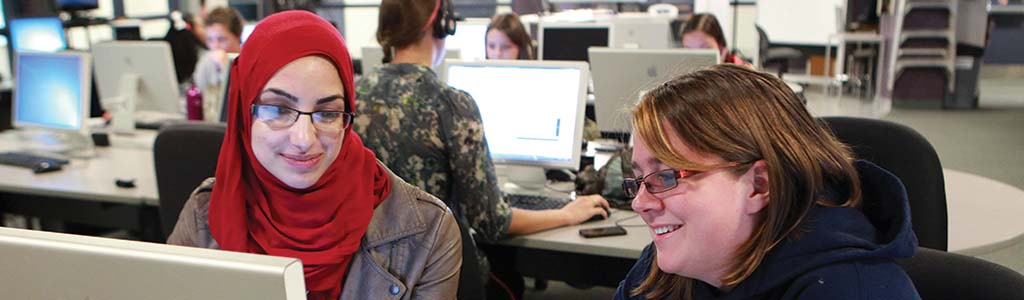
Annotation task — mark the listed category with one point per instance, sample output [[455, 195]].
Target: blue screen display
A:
[[48, 90], [78, 4], [38, 34]]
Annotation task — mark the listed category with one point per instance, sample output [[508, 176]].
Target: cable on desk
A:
[[618, 222]]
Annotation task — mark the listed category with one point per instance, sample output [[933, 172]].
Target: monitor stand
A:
[[66, 143], [522, 179]]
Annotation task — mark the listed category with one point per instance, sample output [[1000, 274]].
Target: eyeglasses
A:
[[663, 180], [280, 117]]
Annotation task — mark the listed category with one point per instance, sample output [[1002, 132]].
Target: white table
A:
[[85, 190]]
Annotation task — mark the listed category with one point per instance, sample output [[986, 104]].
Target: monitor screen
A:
[[51, 265], [247, 30], [470, 39], [52, 90], [249, 11], [38, 34], [3, 16], [571, 42], [78, 4], [532, 111]]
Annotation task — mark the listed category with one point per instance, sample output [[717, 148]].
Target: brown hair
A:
[[228, 17], [708, 24], [743, 115], [401, 23], [510, 25]]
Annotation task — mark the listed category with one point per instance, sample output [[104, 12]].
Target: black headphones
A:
[[443, 19]]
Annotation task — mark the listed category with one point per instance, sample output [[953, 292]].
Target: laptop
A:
[[622, 75]]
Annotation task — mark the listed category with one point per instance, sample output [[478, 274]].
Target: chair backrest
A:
[[184, 155], [939, 275], [909, 156], [471, 280]]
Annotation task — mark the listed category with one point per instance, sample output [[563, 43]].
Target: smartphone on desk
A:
[[602, 231]]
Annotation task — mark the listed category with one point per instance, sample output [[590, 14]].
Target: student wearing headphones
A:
[[703, 32], [507, 38], [431, 135]]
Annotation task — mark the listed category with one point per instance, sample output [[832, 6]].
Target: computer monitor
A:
[[251, 10], [3, 16], [73, 5], [247, 30], [470, 39], [532, 110], [49, 265], [374, 55], [642, 33], [38, 34], [569, 41], [137, 76], [52, 90], [622, 75], [127, 29]]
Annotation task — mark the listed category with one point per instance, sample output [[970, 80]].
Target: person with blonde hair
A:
[[746, 196]]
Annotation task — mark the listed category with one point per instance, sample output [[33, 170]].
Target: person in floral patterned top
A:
[[431, 135]]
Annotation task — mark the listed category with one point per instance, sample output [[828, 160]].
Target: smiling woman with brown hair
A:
[[748, 197]]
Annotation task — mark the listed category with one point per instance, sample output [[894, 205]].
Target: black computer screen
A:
[[78, 4], [572, 43]]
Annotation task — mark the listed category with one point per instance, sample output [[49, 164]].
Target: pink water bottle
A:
[[194, 103]]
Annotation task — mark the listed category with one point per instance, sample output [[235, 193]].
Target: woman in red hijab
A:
[[293, 179]]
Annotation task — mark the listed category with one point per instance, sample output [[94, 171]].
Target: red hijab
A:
[[250, 209]]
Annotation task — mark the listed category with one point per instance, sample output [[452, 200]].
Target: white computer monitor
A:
[[247, 30], [48, 265], [642, 33], [621, 76], [374, 55], [51, 93], [470, 38], [38, 34], [532, 110], [569, 41], [137, 76]]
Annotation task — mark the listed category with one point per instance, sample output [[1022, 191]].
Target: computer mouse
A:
[[599, 217], [43, 167], [125, 183]]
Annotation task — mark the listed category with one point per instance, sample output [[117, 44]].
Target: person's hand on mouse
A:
[[584, 207]]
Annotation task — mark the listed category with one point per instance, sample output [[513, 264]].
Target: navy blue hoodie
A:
[[838, 252]]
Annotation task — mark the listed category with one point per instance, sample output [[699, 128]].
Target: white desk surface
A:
[[91, 178], [985, 216]]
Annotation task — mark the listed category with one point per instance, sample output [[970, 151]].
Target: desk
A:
[[985, 220], [84, 190]]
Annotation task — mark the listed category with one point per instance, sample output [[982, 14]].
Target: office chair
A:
[[184, 155], [779, 58], [908, 155], [939, 275]]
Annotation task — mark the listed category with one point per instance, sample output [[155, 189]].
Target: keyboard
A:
[[28, 160], [535, 202]]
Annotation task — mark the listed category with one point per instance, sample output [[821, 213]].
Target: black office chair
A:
[[939, 275], [909, 156], [779, 58], [184, 155]]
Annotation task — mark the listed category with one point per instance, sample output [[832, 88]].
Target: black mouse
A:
[[43, 167], [125, 183], [599, 217]]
